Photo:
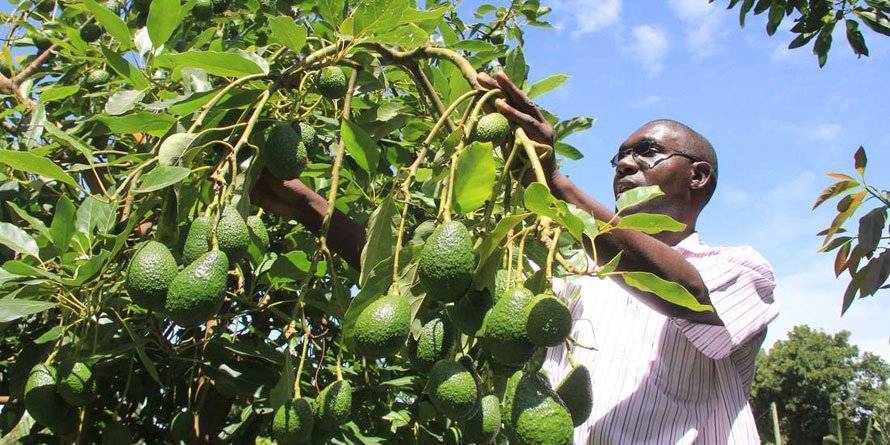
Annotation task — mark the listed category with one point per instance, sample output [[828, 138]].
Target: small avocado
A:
[[232, 234], [293, 422], [492, 127], [284, 153], [433, 344], [548, 321], [259, 236], [197, 291], [333, 405], [307, 134], [447, 262], [426, 411], [454, 389], [197, 240], [76, 384], [331, 82], [484, 426], [43, 402], [149, 274], [97, 76], [504, 335], [381, 328], [576, 392], [90, 32], [533, 413], [182, 426]]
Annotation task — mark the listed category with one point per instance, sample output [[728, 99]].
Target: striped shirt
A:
[[661, 380]]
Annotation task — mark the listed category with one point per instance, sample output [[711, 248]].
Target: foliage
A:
[[813, 376], [869, 242], [816, 19], [162, 122]]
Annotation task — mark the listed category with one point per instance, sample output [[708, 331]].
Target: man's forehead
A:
[[657, 132]]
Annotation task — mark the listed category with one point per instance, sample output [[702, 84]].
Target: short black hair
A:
[[696, 145]]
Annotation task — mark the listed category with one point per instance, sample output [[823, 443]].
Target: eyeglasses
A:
[[648, 154]]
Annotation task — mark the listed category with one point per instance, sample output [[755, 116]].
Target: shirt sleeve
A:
[[740, 286]]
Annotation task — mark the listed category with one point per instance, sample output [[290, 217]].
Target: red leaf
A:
[[861, 160]]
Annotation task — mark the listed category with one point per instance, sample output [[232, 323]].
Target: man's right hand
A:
[[283, 198]]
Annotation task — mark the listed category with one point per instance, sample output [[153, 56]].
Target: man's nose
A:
[[626, 165]]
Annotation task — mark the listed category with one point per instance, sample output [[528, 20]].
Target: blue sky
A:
[[778, 123]]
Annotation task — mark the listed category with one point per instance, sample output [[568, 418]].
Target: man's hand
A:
[[520, 110], [283, 198]]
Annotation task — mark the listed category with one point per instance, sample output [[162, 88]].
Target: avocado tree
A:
[[143, 296]]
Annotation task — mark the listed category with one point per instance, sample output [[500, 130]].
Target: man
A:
[[661, 373]]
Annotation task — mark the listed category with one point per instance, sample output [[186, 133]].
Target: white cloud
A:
[[649, 46], [704, 23], [780, 52], [588, 15], [826, 132]]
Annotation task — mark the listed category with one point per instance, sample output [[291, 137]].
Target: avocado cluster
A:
[[52, 394]]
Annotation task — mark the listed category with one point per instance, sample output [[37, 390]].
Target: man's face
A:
[[658, 167]]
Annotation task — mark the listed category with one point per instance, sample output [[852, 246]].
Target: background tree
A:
[[812, 376]]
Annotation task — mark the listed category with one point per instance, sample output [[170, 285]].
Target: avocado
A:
[[504, 335], [576, 392], [76, 384], [533, 413], [41, 41], [259, 236], [469, 311], [484, 426], [43, 401], [293, 422], [149, 274], [284, 154], [182, 426], [331, 82], [197, 240], [116, 433], [433, 344], [307, 134], [493, 127], [90, 32], [548, 321], [333, 405], [426, 411], [497, 37], [454, 389], [501, 284], [232, 234], [203, 9], [447, 263], [97, 76], [381, 328], [197, 291]]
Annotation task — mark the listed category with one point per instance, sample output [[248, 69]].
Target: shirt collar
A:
[[692, 244]]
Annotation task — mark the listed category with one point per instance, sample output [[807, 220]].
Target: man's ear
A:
[[700, 175]]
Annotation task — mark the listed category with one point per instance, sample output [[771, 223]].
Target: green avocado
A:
[[548, 321], [426, 411], [203, 9], [182, 425], [501, 284], [453, 389], [534, 414], [284, 154], [333, 405], [469, 311], [293, 422], [197, 291], [331, 82], [149, 274], [90, 32], [492, 127], [307, 134], [258, 233], [381, 328], [197, 240], [576, 392], [504, 335], [232, 234], [447, 263], [76, 384], [97, 76], [484, 426], [43, 402], [433, 344]]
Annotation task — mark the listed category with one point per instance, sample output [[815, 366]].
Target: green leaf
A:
[[69, 140], [666, 290], [474, 177], [573, 125], [743, 11], [18, 240], [62, 227], [834, 190], [163, 19], [35, 223], [568, 151], [214, 62], [160, 177], [651, 223], [823, 43], [31, 163], [612, 265], [776, 14], [515, 68], [112, 23], [544, 85], [380, 239], [123, 101], [58, 92], [493, 239], [854, 37], [374, 16], [847, 206], [360, 146], [637, 196], [140, 351], [125, 69], [173, 148], [860, 160], [284, 388], [95, 214], [539, 200], [155, 124], [473, 46], [288, 33], [36, 123], [13, 309], [875, 20], [406, 36]]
